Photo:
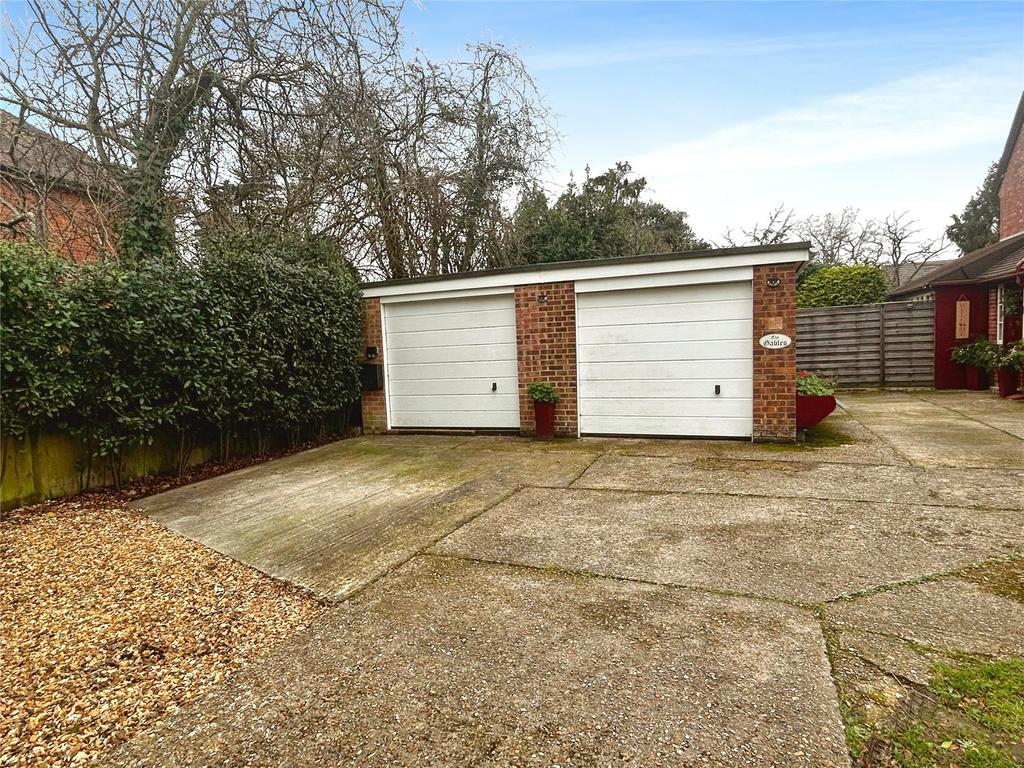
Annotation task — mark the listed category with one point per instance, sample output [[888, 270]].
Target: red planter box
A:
[[811, 409], [1007, 380], [544, 417], [975, 378]]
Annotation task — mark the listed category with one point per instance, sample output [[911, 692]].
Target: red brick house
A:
[[51, 192], [695, 344], [986, 283]]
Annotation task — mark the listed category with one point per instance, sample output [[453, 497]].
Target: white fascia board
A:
[[696, 277], [580, 273], [427, 296]]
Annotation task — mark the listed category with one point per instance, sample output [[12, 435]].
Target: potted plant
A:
[[544, 398], [1008, 369], [978, 358], [815, 398]]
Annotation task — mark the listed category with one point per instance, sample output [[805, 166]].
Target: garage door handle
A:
[[718, 389], [494, 386]]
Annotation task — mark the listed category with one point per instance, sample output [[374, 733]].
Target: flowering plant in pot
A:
[[544, 398], [815, 398], [1008, 369], [979, 357]]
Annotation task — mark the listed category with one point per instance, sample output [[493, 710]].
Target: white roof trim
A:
[[696, 277], [493, 291], [596, 271]]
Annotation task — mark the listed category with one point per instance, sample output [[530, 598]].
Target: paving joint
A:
[[895, 450], [421, 550], [737, 494], [582, 573], [965, 415], [925, 578], [582, 472]]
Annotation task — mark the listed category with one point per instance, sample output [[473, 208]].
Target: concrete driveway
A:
[[594, 602]]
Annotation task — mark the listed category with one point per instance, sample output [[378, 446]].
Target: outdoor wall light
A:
[[774, 282], [371, 353], [542, 298]]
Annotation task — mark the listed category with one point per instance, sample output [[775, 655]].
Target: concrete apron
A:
[[599, 601]]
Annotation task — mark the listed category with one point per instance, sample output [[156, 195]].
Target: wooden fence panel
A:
[[869, 345]]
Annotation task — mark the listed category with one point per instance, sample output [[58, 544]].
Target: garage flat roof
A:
[[583, 269]]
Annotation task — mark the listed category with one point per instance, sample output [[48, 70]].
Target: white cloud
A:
[[920, 143]]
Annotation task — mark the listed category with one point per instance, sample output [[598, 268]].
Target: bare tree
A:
[[414, 164], [895, 243], [840, 238], [251, 114], [902, 249], [165, 96], [780, 227]]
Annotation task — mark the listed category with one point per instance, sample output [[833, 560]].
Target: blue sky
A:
[[732, 108]]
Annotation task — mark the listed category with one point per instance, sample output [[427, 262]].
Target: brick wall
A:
[[69, 223], [546, 340], [375, 418], [775, 369], [1011, 194]]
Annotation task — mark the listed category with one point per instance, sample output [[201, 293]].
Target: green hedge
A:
[[837, 286], [253, 337]]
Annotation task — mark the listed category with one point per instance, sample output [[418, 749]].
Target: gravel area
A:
[[110, 622]]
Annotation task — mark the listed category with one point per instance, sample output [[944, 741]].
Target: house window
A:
[[1000, 312]]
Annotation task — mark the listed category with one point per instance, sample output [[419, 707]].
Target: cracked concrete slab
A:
[[449, 662], [936, 430], [334, 518], [998, 489], [951, 615], [888, 654], [793, 549], [1005, 415]]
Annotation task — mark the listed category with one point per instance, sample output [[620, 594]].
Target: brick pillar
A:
[[546, 350], [375, 418], [775, 369]]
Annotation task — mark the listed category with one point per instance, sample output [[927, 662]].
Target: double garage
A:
[[661, 345]]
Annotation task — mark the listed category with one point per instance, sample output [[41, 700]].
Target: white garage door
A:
[[452, 362], [650, 359]]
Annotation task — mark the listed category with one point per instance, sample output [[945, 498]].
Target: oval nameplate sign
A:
[[775, 341]]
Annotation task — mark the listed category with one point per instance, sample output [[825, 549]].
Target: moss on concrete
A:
[[1005, 579], [824, 435]]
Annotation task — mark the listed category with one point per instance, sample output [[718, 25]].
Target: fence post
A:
[[881, 344]]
